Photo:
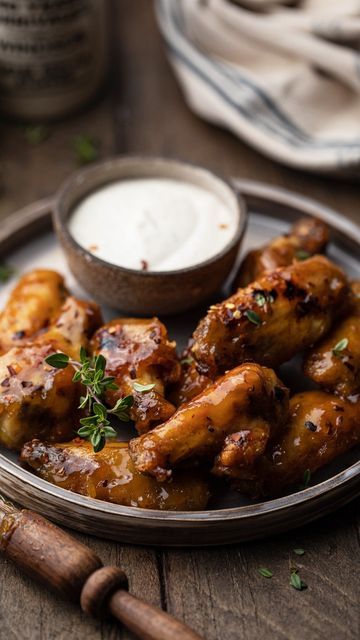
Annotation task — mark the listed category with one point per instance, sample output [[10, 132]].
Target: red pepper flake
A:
[[144, 265], [11, 370]]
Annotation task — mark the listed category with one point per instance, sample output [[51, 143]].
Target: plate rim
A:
[[38, 216]]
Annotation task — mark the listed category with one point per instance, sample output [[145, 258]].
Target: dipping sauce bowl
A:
[[143, 290]]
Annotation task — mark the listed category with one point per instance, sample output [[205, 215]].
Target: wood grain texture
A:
[[217, 591]]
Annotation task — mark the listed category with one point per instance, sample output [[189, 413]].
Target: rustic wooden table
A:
[[219, 592]]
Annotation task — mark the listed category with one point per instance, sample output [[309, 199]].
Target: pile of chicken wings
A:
[[217, 413]]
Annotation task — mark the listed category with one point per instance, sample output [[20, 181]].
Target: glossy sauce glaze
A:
[[110, 475]]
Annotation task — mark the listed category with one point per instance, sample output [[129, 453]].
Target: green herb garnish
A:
[[188, 360], [253, 317], [265, 573], [302, 255], [36, 134], [299, 552], [262, 297], [5, 273], [340, 346], [296, 581], [90, 372], [141, 388], [306, 478], [86, 149]]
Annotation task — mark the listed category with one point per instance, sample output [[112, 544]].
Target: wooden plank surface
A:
[[217, 591]]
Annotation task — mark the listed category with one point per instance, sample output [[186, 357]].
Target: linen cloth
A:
[[284, 77]]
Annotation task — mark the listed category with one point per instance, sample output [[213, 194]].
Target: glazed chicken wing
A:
[[138, 350], [31, 306], [249, 398], [37, 400], [335, 362], [307, 237], [190, 384], [282, 313], [321, 427], [110, 475]]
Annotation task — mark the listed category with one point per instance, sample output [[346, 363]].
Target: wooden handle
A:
[[104, 590], [69, 567]]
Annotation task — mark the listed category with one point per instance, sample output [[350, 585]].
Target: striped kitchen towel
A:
[[283, 76]]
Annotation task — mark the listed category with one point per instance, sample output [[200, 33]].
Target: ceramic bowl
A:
[[146, 292]]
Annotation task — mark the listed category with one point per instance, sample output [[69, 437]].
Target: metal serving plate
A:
[[26, 241]]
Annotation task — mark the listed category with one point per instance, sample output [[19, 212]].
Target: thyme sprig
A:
[[90, 372]]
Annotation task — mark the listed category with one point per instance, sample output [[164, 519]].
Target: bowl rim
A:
[[60, 216]]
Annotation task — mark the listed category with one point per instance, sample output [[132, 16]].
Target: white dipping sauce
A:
[[153, 224]]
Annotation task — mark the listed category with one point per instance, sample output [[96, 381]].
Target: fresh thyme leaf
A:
[[5, 273], [86, 149], [260, 298], [83, 355], [302, 255], [265, 573], [188, 360], [307, 477], [296, 581], [299, 552], [141, 388], [90, 372], [35, 134], [253, 317], [58, 360], [340, 346]]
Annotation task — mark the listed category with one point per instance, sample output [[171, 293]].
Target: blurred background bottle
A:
[[53, 56]]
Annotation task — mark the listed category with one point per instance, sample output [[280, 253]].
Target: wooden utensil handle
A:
[[53, 556], [103, 590]]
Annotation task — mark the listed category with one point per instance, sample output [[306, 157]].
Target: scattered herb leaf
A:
[[58, 360], [5, 273], [90, 372], [296, 581], [188, 360], [265, 573], [86, 149], [299, 552], [302, 255], [253, 317], [306, 478], [262, 297], [141, 388], [36, 134], [340, 346]]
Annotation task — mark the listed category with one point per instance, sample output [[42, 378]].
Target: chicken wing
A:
[[190, 384], [37, 400], [321, 427], [307, 237], [334, 364], [139, 351], [284, 312], [110, 475], [249, 398], [31, 306]]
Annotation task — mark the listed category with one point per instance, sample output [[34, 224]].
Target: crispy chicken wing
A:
[[321, 427], [249, 398], [31, 306], [110, 475], [190, 384], [338, 370], [284, 312], [36, 399], [307, 237], [138, 350]]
